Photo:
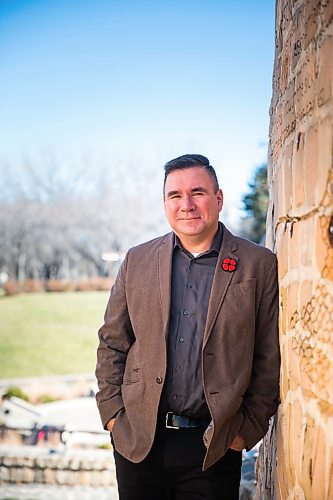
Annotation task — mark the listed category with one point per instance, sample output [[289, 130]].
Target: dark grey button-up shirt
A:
[[192, 279]]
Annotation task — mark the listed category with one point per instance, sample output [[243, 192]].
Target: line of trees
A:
[[57, 220]]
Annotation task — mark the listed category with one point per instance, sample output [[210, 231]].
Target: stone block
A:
[[28, 475], [7, 461], [307, 231], [305, 382], [282, 252], [287, 182], [95, 478], [84, 464], [319, 480], [325, 140], [310, 433], [305, 88], [17, 475], [311, 21], [60, 476], [280, 482], [49, 476], [4, 473], [325, 72], [279, 193], [283, 309], [84, 477], [293, 368], [284, 381], [39, 476], [285, 64], [322, 245], [72, 477], [305, 292], [296, 438], [75, 464], [326, 12], [297, 171], [330, 475], [289, 111], [28, 461], [311, 165], [292, 302], [294, 244], [285, 471], [42, 462]]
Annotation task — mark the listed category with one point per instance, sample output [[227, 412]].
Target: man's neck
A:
[[196, 243]]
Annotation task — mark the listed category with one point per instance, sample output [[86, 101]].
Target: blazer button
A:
[[159, 380]]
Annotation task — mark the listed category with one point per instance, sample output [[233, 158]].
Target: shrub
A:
[[105, 446], [33, 286], [12, 287], [59, 286], [99, 283], [103, 284], [17, 392], [46, 398]]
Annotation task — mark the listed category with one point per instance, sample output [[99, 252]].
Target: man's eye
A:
[[174, 197], [199, 193]]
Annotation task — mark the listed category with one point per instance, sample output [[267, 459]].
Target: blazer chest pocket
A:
[[242, 288], [131, 376], [238, 312]]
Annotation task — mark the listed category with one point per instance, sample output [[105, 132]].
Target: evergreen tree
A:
[[255, 205]]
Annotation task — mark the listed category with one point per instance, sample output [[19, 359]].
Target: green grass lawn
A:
[[49, 333]]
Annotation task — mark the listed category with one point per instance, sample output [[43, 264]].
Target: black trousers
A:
[[173, 470]]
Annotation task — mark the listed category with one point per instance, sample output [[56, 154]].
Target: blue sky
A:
[[138, 81]]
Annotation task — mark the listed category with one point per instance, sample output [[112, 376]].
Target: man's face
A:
[[190, 203]]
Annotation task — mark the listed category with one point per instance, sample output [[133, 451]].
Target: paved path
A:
[[54, 492]]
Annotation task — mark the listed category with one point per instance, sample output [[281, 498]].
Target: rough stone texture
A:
[[298, 461]]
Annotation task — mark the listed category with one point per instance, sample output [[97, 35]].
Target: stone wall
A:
[[80, 467], [299, 230]]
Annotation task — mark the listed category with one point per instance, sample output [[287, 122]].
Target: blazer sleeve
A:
[[262, 396], [115, 339]]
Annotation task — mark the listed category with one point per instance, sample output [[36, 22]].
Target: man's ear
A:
[[219, 196]]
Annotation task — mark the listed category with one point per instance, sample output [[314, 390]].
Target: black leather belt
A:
[[173, 421]]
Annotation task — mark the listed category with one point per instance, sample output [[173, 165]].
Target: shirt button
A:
[[174, 397], [178, 368], [189, 285], [159, 380], [185, 313], [181, 339]]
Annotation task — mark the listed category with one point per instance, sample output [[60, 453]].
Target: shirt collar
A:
[[216, 245]]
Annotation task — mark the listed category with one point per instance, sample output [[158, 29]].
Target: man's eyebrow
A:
[[193, 190], [172, 193], [199, 188]]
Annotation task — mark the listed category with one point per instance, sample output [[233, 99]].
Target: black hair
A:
[[190, 161]]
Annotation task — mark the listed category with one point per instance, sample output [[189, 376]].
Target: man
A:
[[188, 359]]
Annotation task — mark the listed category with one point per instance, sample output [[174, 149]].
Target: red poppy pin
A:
[[229, 264]]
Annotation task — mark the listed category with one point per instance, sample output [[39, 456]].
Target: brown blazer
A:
[[240, 354]]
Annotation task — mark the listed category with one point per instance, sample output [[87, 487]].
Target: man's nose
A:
[[187, 204]]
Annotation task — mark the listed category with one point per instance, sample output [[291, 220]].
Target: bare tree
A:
[[56, 218]]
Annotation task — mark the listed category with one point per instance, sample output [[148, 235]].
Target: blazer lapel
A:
[[221, 281], [164, 277]]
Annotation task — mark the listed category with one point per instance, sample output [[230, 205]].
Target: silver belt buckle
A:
[[167, 421]]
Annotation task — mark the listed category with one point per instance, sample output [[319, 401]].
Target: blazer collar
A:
[[221, 280], [164, 278]]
